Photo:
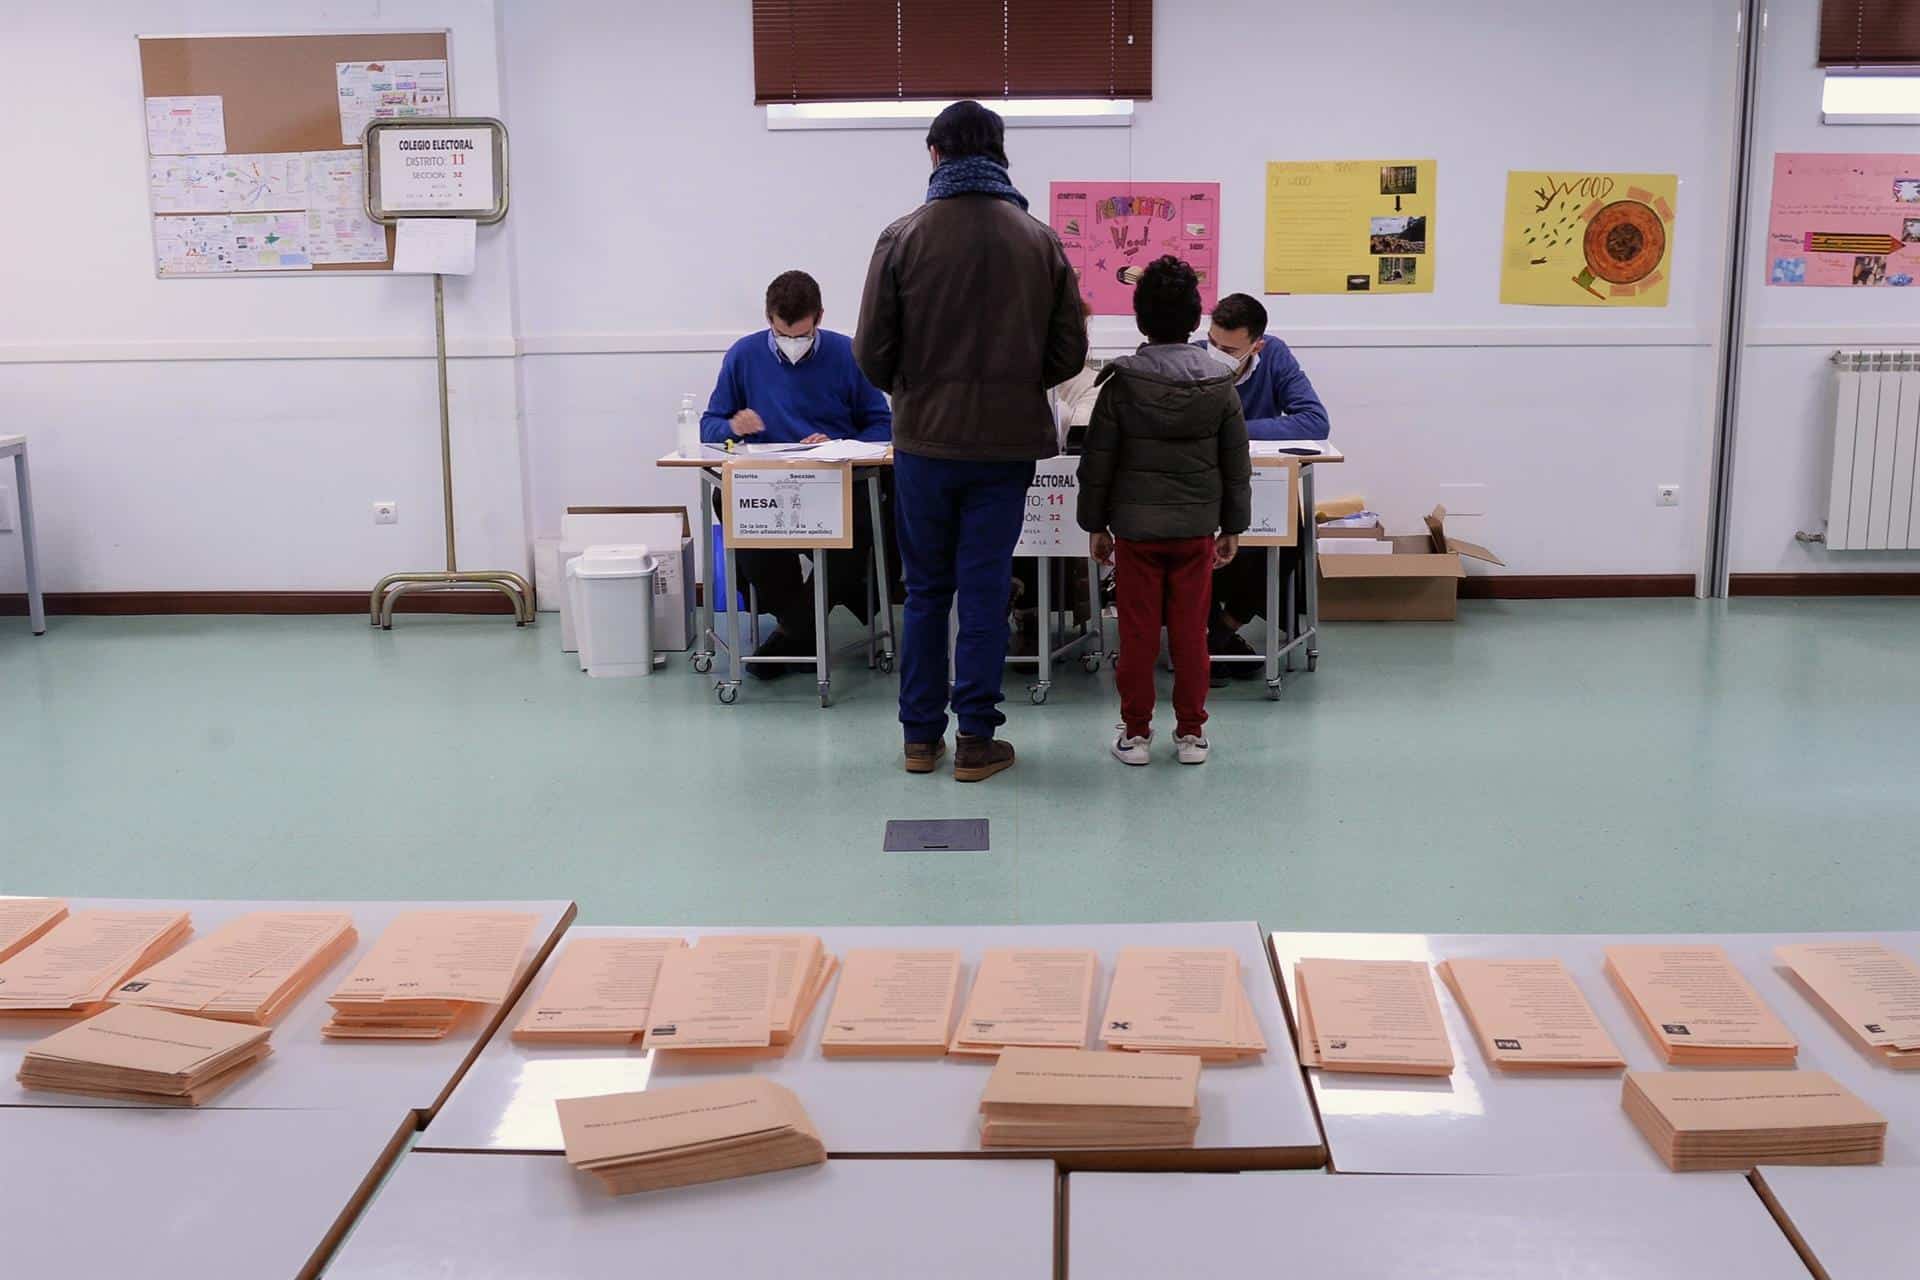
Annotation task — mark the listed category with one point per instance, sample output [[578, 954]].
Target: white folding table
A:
[[15, 447], [1253, 1115], [524, 1217], [1482, 1120], [1848, 1223], [1134, 1226]]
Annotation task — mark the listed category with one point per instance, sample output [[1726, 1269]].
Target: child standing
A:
[[1166, 467]]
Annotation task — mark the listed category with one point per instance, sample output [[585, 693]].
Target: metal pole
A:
[[446, 426]]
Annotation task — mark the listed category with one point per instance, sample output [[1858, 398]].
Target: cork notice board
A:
[[281, 102]]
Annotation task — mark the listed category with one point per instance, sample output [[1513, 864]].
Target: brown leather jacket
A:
[[971, 312]]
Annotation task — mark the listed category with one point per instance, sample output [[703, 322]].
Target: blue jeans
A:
[[957, 524]]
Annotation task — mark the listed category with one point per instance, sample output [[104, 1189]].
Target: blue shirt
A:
[[825, 393], [1279, 402]]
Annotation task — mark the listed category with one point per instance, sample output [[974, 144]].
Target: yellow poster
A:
[[1350, 226], [1578, 239]]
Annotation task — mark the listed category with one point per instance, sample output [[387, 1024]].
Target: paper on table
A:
[[81, 959], [1028, 996], [601, 987], [1529, 1014], [714, 997], [1692, 1000], [150, 1040], [240, 968], [469, 956], [1036, 1079], [1288, 448], [1870, 990], [1173, 996], [186, 126], [630, 1124], [434, 246], [24, 920], [849, 451], [889, 1000], [1371, 1016]]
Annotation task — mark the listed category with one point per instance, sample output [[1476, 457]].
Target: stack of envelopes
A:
[[1029, 996], [728, 1128], [893, 1004], [600, 992], [1181, 1000], [427, 971], [72, 968], [23, 920], [149, 1056], [1697, 1008], [249, 970], [738, 996], [1738, 1119], [1076, 1098], [1371, 1016], [1529, 1015], [1873, 993]]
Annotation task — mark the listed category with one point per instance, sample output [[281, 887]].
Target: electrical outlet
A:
[[386, 513], [1667, 495]]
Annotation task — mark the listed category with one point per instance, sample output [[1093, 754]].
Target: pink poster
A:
[[1111, 230], [1842, 219]]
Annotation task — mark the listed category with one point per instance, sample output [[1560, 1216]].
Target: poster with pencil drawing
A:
[[1577, 238], [1844, 220]]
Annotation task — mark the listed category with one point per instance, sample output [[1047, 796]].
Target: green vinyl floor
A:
[[1557, 766]]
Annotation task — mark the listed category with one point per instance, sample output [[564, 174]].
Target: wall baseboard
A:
[[100, 604], [1577, 586], [1824, 584]]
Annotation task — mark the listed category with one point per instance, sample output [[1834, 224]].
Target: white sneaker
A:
[[1132, 750], [1191, 748]]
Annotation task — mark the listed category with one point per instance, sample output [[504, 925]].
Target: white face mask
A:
[[794, 349], [1228, 359]]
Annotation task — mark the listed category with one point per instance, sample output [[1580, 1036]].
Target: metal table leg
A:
[[1043, 628], [702, 656], [1310, 568], [820, 641], [885, 613], [1096, 617], [36, 606], [1276, 628], [729, 689]]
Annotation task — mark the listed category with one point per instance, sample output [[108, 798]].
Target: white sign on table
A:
[[1276, 504], [1052, 527], [795, 504]]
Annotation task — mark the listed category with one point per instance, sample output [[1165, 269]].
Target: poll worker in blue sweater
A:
[[796, 383], [1280, 404]]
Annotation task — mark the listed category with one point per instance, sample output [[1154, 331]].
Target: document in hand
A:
[[1869, 990], [1181, 1000], [600, 992], [22, 920], [144, 1055], [1697, 1009], [1372, 1016], [729, 1128], [1076, 1098], [426, 971], [1737, 1119], [1027, 996], [742, 996], [1529, 1015], [893, 1004], [248, 970], [71, 969]]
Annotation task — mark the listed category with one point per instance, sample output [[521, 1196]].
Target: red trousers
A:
[[1166, 584]]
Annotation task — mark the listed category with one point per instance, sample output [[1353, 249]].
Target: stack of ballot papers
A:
[[1737, 1119], [1371, 1016], [1027, 996], [144, 1055], [23, 920], [249, 970], [1871, 992], [893, 1004], [1697, 1009], [695, 1133], [1074, 1098], [600, 992], [69, 971], [1181, 1000], [738, 996], [427, 971], [1529, 1015]]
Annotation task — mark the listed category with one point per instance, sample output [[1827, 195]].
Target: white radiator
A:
[[1873, 504]]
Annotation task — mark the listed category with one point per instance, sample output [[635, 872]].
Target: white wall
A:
[[1784, 429]]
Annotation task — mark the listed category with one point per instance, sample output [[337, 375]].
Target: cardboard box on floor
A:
[[1419, 582], [657, 528]]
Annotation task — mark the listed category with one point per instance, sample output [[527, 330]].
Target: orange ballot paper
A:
[[1529, 1015], [1697, 1009], [893, 1004], [1181, 1000], [1872, 992], [426, 971], [22, 920], [75, 964], [601, 992], [802, 969], [1070, 1097], [693, 1133], [144, 1055], [1371, 1016], [1739, 1119], [714, 999], [1028, 997], [248, 970]]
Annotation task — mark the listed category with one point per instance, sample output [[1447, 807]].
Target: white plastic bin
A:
[[611, 591]]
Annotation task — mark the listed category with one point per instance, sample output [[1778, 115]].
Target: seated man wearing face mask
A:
[[1280, 404], [796, 383]]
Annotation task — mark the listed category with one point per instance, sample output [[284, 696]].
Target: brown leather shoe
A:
[[977, 759], [923, 756]]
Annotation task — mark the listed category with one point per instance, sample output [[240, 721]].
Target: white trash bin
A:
[[611, 590]]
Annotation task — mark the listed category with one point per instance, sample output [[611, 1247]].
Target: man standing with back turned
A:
[[971, 312]]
